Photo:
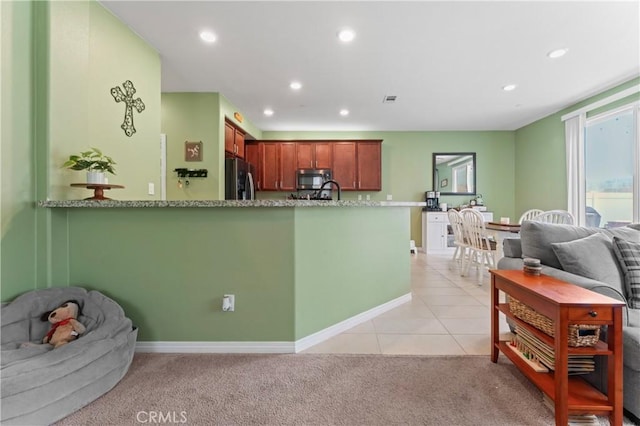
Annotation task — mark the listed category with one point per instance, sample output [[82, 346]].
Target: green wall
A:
[[59, 62], [90, 52], [198, 117], [540, 156], [347, 261], [293, 271], [169, 268], [407, 166], [17, 155], [192, 117]]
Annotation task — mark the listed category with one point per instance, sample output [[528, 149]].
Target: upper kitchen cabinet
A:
[[252, 155], [370, 166], [314, 155], [344, 165], [233, 140], [357, 165], [278, 166]]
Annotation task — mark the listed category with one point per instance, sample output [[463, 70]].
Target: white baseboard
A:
[[271, 347], [334, 330]]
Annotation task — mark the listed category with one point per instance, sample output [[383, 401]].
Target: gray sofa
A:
[[586, 257]]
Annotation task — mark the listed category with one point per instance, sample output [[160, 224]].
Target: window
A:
[[603, 165], [609, 148]]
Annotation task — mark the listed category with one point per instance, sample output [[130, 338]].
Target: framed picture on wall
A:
[[193, 151], [444, 182]]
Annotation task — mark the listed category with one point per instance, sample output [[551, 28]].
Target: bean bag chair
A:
[[39, 384]]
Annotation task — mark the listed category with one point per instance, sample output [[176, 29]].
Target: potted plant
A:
[[94, 162]]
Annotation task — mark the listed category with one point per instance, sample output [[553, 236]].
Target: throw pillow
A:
[[591, 257], [628, 254]]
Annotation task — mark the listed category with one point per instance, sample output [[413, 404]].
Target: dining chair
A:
[[555, 216], [481, 248], [455, 220], [529, 215]]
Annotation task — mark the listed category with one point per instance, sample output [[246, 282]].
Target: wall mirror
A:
[[454, 173]]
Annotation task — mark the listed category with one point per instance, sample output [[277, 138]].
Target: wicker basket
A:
[[579, 334]]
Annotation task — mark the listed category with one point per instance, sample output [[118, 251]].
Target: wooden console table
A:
[[98, 189], [565, 304]]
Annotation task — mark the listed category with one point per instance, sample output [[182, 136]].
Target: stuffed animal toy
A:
[[66, 327]]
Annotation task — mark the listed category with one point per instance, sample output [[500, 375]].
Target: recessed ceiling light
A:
[[557, 53], [509, 87], [346, 35], [208, 36], [295, 85], [268, 112], [344, 112]]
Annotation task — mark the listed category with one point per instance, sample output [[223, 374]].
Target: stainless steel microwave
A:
[[312, 178]]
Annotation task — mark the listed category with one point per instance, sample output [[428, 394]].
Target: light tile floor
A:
[[448, 315]]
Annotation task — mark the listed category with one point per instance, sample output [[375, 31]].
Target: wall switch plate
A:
[[229, 303], [152, 188], [359, 197], [368, 197]]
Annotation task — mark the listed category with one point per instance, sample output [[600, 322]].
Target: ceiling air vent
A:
[[389, 99]]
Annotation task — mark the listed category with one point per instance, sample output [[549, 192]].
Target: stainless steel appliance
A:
[[433, 200], [312, 178], [238, 180], [309, 184]]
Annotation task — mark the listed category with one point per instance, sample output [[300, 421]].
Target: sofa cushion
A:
[[537, 238], [631, 347], [628, 254], [591, 257], [629, 233]]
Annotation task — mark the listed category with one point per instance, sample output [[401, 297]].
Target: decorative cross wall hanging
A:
[[127, 98]]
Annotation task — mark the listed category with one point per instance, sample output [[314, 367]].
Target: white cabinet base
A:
[[435, 230]]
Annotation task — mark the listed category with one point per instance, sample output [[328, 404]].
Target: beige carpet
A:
[[212, 389]]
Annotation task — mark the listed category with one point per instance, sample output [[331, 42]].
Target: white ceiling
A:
[[446, 61]]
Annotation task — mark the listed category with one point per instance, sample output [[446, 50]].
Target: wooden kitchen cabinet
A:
[[278, 166], [369, 166], [356, 165], [252, 156], [314, 155], [344, 165], [233, 140]]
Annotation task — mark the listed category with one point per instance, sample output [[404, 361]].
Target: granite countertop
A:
[[222, 203]]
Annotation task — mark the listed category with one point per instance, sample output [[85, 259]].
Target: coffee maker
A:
[[433, 200]]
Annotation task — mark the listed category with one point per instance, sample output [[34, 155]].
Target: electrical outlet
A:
[[389, 197], [229, 303], [151, 188], [368, 197], [359, 197]]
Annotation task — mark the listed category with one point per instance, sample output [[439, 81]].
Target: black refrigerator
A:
[[238, 178]]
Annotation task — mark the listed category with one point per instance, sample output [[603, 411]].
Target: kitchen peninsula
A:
[[296, 268]]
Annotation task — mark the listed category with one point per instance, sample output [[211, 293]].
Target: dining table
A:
[[501, 231]]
